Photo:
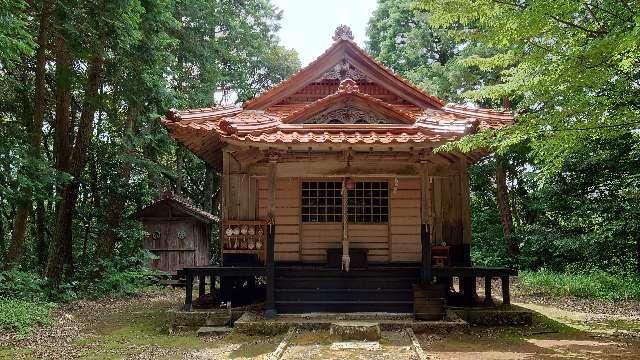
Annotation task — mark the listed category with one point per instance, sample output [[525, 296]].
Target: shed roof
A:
[[170, 200]]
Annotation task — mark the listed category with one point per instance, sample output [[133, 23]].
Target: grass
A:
[[21, 316], [591, 285]]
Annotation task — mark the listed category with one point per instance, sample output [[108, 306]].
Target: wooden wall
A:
[[447, 222], [247, 198], [404, 220], [173, 253], [239, 191], [317, 238], [287, 241]]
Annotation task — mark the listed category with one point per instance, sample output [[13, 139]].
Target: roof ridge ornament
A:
[[342, 32], [348, 85]]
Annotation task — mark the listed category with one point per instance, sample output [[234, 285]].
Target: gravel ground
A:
[[626, 309]]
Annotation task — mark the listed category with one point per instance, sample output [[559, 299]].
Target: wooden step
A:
[[343, 294], [429, 301], [355, 330], [293, 307]]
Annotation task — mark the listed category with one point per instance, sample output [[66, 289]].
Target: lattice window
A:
[[368, 202], [321, 201]]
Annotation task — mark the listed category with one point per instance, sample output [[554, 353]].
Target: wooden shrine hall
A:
[[332, 192]]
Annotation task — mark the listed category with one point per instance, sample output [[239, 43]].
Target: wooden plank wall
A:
[[174, 253], [317, 238], [404, 220], [241, 197], [287, 241], [397, 241], [239, 191], [447, 210]]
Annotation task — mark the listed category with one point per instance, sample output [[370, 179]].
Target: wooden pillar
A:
[[345, 226], [425, 274], [188, 296], [270, 307], [468, 285], [506, 296], [202, 282], [488, 300], [466, 206], [425, 229]]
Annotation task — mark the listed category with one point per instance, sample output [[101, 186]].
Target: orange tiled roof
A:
[[419, 119]]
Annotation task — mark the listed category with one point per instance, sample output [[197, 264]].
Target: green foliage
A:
[[22, 285], [15, 39], [21, 316], [572, 162], [595, 284], [119, 277], [573, 68]]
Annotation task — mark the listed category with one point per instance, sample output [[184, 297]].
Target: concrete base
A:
[[214, 331], [190, 320], [255, 323], [355, 330], [356, 345], [503, 315]]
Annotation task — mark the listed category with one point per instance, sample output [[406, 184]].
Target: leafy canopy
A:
[[573, 67]]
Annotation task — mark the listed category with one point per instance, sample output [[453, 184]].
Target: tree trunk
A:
[[638, 254], [24, 207], [502, 197], [179, 168], [60, 251], [207, 201], [41, 233], [117, 202]]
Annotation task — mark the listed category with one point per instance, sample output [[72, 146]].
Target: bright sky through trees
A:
[[307, 26]]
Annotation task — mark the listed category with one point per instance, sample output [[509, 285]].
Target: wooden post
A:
[[426, 275], [466, 206], [488, 300], [345, 260], [425, 229], [201, 285], [270, 307], [188, 296], [506, 296], [468, 284]]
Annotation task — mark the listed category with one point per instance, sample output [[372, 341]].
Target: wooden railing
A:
[[244, 237]]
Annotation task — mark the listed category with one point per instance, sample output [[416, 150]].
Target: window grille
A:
[[321, 201], [368, 202]]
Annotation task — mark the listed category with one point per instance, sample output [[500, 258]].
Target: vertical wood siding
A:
[[404, 221], [447, 207], [287, 241]]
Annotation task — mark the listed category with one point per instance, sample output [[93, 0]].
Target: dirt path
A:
[[555, 333], [316, 345]]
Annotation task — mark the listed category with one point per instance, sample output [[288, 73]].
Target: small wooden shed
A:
[[178, 233]]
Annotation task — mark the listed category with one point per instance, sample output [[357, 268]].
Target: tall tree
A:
[[25, 204]]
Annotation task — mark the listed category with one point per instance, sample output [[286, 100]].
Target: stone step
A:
[[213, 330], [356, 345], [355, 330], [218, 320]]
